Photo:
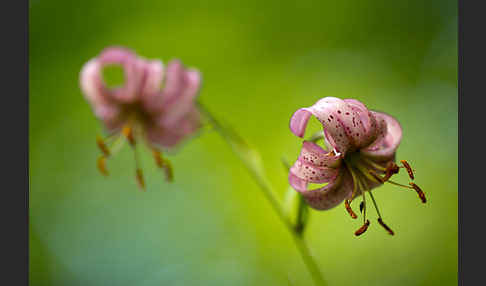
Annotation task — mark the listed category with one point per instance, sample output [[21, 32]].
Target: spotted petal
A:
[[312, 173], [343, 125], [388, 139], [328, 196], [314, 154], [367, 119]]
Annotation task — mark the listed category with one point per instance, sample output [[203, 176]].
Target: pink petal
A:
[[388, 139], [94, 91], [90, 82], [110, 115], [183, 101], [343, 126], [312, 173], [367, 119], [154, 71], [328, 196], [133, 69], [314, 154], [152, 97], [174, 81], [170, 135]]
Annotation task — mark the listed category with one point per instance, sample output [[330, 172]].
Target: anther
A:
[[419, 191], [169, 174], [409, 169], [128, 133], [102, 146], [376, 176], [349, 209], [163, 164], [391, 169], [158, 158], [140, 180], [102, 165], [361, 207], [362, 229], [385, 226]]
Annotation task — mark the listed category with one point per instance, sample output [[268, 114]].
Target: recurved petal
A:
[[183, 101], [154, 71], [133, 69], [168, 136], [388, 138], [111, 116], [313, 154], [94, 91], [344, 128], [328, 196], [90, 82], [311, 173], [366, 118], [152, 97], [174, 81]]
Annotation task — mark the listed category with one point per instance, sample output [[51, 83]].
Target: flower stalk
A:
[[252, 162]]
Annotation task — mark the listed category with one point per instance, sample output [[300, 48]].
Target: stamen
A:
[[380, 220], [419, 191], [376, 176], [409, 169], [102, 146], [361, 206], [169, 173], [163, 164], [362, 229], [391, 169], [349, 209], [140, 180], [390, 231], [138, 170], [128, 133], [368, 174], [364, 205], [101, 163], [373, 164], [364, 187], [158, 158], [400, 185], [355, 181]]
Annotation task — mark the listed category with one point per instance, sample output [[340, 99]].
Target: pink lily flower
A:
[[152, 104], [360, 156]]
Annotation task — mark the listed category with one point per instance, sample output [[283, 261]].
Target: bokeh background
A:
[[261, 61]]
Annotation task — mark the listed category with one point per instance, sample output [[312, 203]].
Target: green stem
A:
[[239, 147]]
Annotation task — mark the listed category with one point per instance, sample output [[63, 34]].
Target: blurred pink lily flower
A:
[[152, 104], [360, 156]]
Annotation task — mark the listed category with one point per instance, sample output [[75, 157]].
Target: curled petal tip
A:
[[298, 122]]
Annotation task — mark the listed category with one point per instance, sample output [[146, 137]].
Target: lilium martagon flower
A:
[[154, 105], [360, 156]]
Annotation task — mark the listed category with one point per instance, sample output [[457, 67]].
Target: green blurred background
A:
[[261, 61]]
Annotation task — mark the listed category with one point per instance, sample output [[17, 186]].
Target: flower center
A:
[[367, 174], [113, 143]]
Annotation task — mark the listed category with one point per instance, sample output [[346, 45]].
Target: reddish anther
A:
[[419, 191], [349, 209], [362, 229], [409, 169], [390, 231], [101, 163]]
